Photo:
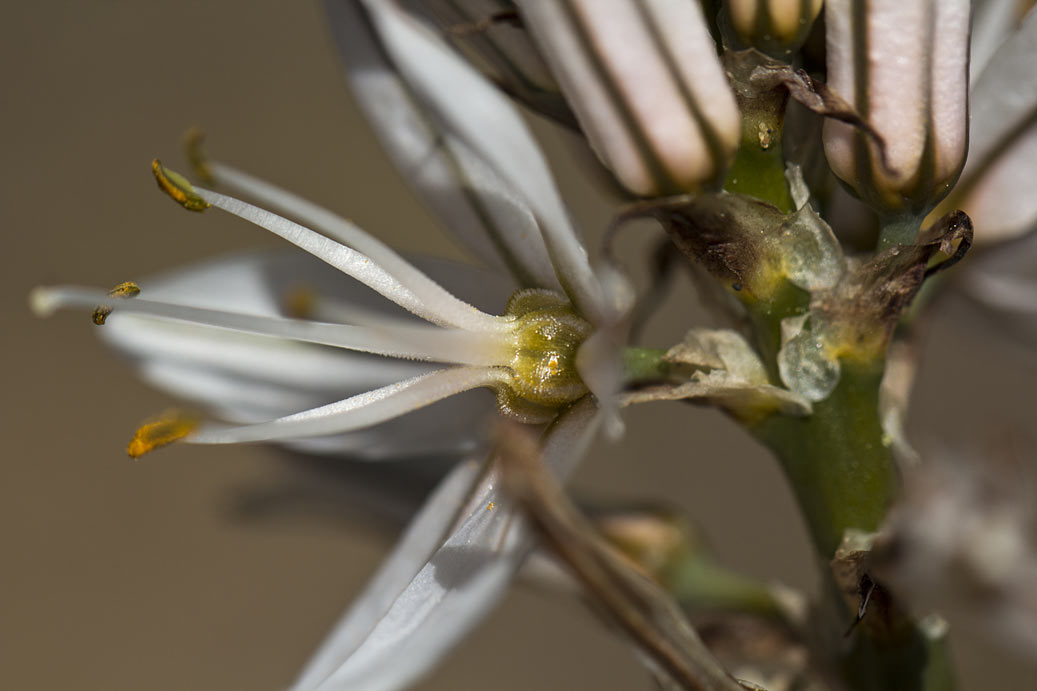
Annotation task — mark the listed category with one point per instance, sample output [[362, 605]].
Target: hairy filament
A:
[[417, 342], [362, 410]]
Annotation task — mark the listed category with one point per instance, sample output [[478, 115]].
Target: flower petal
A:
[[238, 376], [1003, 141], [401, 627], [499, 44], [474, 203], [992, 22], [1003, 281], [425, 530], [1005, 97], [478, 114], [1001, 202]]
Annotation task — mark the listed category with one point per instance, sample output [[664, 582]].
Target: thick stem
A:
[[844, 478], [841, 470]]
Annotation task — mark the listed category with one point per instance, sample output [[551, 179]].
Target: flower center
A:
[[547, 334]]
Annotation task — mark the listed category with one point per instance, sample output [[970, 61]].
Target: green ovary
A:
[[547, 335]]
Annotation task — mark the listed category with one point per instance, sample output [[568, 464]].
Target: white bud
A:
[[777, 27], [904, 66], [645, 83]]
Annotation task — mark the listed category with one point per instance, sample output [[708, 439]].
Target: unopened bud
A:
[[775, 27], [904, 67], [646, 86]]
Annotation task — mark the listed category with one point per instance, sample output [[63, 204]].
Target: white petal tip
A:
[[615, 428], [44, 301]]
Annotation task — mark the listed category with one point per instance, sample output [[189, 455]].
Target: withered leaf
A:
[[872, 299], [625, 595]]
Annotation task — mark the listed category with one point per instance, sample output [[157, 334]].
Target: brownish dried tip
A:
[[156, 433], [194, 148]]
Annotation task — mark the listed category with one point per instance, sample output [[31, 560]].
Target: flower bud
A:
[[775, 27], [647, 88], [904, 67]]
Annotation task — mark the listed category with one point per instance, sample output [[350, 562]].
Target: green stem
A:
[[842, 472], [766, 314], [758, 170], [916, 661], [644, 365], [700, 584], [898, 230], [759, 167], [844, 477]]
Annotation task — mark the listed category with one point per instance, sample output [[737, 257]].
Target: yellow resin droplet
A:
[[176, 186], [159, 432], [127, 289]]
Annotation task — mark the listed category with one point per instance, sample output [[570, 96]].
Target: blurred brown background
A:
[[121, 575]]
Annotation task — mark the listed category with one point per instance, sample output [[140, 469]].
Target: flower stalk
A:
[[759, 166]]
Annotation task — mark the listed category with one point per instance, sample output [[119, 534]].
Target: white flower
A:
[[218, 336], [995, 187]]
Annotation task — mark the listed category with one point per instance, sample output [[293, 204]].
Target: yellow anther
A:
[[299, 302], [163, 430], [127, 289], [100, 314], [193, 141], [177, 187]]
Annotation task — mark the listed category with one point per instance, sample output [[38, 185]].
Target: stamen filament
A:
[[372, 263], [305, 303], [362, 410], [417, 342]]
